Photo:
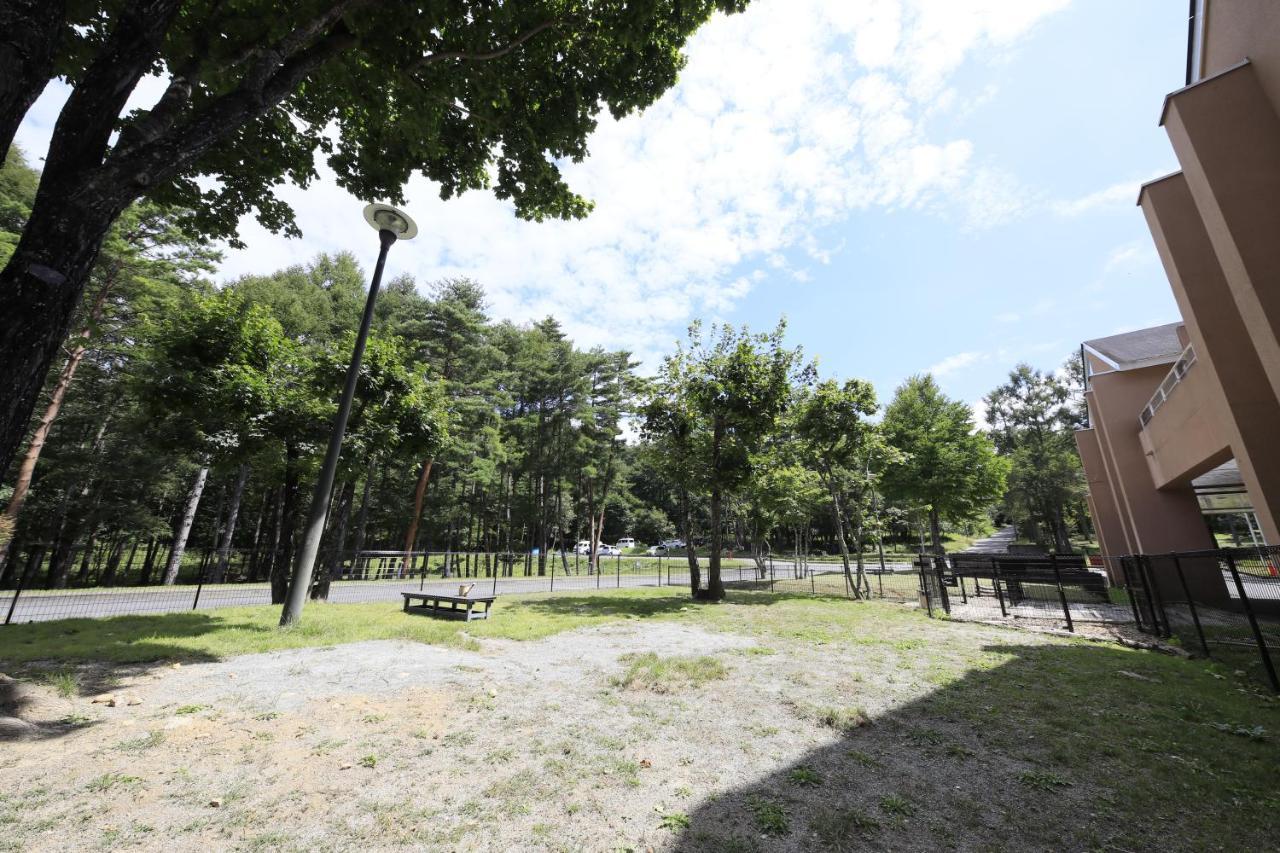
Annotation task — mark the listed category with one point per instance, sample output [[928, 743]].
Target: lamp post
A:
[[391, 225]]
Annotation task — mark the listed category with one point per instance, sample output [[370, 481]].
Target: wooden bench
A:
[[459, 606]]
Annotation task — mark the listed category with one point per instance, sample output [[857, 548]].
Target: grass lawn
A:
[[628, 719]]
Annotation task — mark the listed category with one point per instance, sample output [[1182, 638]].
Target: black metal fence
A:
[[1062, 590], [1224, 603], [383, 575]]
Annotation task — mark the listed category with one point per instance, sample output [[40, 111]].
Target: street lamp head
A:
[[384, 217]]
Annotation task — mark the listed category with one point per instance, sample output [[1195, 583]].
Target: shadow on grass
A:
[[623, 604], [1035, 747]]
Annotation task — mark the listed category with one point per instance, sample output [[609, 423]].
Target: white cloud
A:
[[1114, 196], [1139, 253], [979, 408], [953, 363], [788, 117]]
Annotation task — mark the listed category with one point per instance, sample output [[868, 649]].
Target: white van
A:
[[624, 543]]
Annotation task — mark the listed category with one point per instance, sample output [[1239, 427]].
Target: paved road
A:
[[41, 606]]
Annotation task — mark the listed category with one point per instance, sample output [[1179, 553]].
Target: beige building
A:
[[1185, 418]]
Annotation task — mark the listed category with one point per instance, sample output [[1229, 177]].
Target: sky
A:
[[916, 185]]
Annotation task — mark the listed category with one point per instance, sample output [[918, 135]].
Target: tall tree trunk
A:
[[362, 520], [133, 552], [229, 531], [27, 468], [113, 562], [148, 562], [183, 530], [715, 586], [419, 495], [837, 517], [82, 576], [690, 553], [282, 570], [332, 568], [935, 531]]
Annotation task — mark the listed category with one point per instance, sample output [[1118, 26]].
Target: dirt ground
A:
[[521, 746]]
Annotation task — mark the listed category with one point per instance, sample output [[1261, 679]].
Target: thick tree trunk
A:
[[133, 552], [28, 41], [183, 530], [935, 531], [419, 494], [229, 531], [78, 199], [715, 586]]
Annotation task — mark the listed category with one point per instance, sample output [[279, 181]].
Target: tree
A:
[[714, 403], [1033, 418], [255, 89], [948, 466], [839, 443]]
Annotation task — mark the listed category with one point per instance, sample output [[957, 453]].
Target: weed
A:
[[842, 719], [369, 760], [835, 828], [147, 741], [1042, 780], [674, 821], [649, 671], [107, 781], [458, 739], [892, 804], [266, 715], [956, 750], [804, 777], [373, 718], [862, 758], [76, 720], [326, 746], [771, 818], [65, 682], [191, 709]]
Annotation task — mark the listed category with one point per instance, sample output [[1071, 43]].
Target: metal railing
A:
[[1170, 381]]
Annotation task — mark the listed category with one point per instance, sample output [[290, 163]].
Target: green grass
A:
[[650, 671]]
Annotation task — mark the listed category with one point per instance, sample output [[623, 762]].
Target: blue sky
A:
[[942, 185]]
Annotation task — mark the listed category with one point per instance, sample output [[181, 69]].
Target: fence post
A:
[[940, 565], [619, 569], [596, 559], [1130, 590], [924, 584], [1191, 605], [770, 573], [1062, 596], [1253, 623], [813, 586], [17, 591], [995, 579], [497, 570], [553, 573], [199, 586], [1159, 617]]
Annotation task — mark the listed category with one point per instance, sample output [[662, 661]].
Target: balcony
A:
[[1171, 380]]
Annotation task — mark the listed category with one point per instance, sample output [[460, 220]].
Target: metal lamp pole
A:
[[391, 225]]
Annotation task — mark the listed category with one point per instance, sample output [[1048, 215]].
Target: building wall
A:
[[1238, 29], [1186, 437]]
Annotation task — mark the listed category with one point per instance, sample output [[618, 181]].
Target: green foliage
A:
[[947, 464], [1033, 417]]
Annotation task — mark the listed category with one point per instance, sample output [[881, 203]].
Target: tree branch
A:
[[470, 56]]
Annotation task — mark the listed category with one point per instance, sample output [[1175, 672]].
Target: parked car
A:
[[663, 548], [609, 551], [583, 547], [625, 542]]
